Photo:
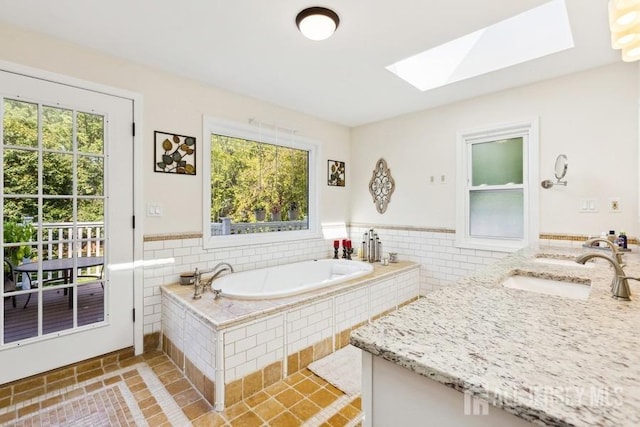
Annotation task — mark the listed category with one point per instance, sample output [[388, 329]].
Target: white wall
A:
[[592, 117], [175, 104]]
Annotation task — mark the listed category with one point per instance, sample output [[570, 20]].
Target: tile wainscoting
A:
[[167, 256], [441, 263]]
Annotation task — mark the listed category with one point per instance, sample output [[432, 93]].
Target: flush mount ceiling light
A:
[[317, 23], [624, 21]]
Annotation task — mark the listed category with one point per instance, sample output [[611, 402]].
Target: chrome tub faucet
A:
[[200, 285]]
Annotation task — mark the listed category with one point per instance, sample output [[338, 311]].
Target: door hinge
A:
[[133, 221], [134, 315], [133, 129]]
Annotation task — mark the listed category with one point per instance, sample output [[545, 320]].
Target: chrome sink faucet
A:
[[619, 285], [614, 248], [199, 285]]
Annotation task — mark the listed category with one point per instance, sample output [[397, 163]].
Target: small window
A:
[[259, 183], [497, 195]]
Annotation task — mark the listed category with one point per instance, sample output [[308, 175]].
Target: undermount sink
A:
[[559, 288], [562, 261]]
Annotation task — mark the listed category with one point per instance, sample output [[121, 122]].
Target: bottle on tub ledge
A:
[[371, 247], [622, 240], [362, 251]]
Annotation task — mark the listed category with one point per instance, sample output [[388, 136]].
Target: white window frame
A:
[[269, 135], [528, 130]]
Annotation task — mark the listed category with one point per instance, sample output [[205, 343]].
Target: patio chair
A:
[[9, 282]]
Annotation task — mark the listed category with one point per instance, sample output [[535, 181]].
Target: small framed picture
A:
[[174, 153], [335, 173]]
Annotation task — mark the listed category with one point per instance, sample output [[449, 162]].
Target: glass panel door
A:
[[53, 218], [66, 224]]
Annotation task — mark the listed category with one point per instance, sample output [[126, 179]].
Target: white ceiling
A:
[[253, 47]]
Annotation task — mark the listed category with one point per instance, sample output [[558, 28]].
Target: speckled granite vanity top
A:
[[553, 360]]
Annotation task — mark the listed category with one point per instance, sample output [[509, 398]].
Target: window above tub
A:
[[259, 184]]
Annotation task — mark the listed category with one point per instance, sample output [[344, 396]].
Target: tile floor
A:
[[150, 390]]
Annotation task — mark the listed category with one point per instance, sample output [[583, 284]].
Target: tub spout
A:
[[199, 285], [619, 285]]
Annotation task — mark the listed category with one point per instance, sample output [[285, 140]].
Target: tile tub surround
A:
[[441, 263], [167, 256], [548, 359], [238, 345]]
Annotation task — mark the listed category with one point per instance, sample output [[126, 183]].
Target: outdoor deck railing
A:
[[58, 236], [59, 241], [228, 227]]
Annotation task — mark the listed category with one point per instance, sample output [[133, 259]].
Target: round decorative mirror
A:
[[562, 163]]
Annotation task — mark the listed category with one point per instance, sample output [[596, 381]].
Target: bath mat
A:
[[342, 368]]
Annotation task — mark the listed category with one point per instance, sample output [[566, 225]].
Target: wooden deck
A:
[[21, 323]]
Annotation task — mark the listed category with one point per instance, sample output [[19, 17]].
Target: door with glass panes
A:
[[67, 204]]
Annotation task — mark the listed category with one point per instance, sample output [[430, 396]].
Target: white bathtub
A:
[[290, 279]]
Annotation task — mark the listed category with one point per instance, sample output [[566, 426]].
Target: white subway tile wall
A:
[[383, 296], [441, 263], [191, 335], [408, 286], [199, 344], [173, 322], [309, 324], [166, 259], [253, 346], [351, 309]]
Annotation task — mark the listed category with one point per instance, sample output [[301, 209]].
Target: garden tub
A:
[[290, 279]]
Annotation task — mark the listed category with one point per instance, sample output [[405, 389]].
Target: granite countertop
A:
[[548, 359], [225, 312]]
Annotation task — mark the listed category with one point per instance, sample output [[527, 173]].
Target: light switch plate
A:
[[154, 209], [588, 206]]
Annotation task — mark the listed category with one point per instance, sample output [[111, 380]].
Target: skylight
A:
[[532, 34]]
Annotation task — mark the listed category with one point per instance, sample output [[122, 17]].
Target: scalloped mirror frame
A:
[[381, 186]]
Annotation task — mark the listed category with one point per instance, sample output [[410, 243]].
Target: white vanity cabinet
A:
[[395, 396]]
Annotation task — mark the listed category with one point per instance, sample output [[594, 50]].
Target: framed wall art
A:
[[174, 153], [335, 173]]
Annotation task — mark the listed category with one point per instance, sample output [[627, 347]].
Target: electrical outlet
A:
[[614, 204], [432, 179]]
